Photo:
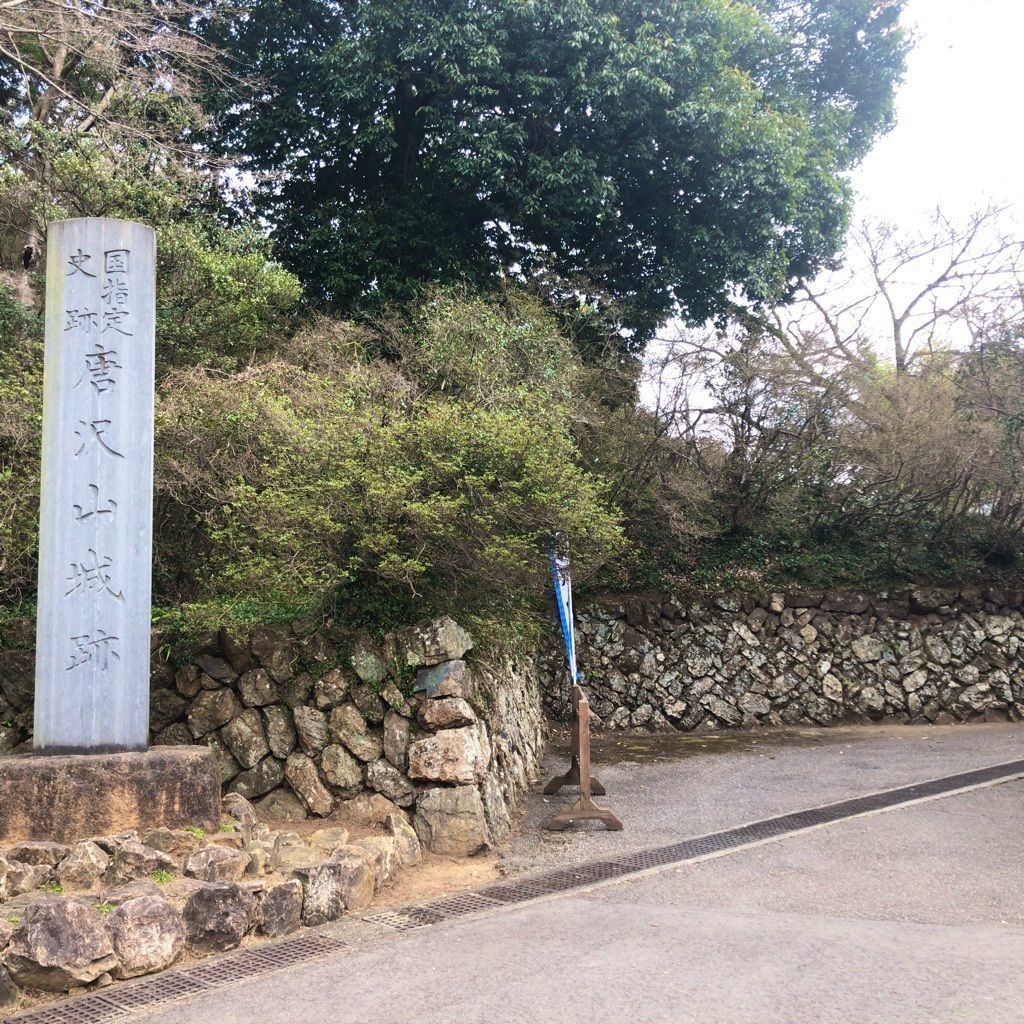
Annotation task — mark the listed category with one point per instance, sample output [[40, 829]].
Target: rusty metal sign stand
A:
[[579, 775], [579, 770]]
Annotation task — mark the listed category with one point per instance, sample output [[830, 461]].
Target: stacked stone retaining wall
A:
[[923, 655], [308, 720]]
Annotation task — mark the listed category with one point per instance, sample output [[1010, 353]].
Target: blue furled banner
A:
[[563, 598]]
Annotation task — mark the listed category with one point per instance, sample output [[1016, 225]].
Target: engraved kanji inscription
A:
[[100, 648], [79, 264], [83, 512], [101, 368], [91, 434], [92, 575], [78, 319], [115, 261]]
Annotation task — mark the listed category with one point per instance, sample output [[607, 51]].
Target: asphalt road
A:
[[913, 915]]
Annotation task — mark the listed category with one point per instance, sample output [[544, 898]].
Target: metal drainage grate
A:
[[567, 879], [112, 1004]]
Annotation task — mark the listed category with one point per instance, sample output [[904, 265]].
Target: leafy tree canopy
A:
[[660, 157]]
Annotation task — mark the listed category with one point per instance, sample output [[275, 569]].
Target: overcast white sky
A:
[[958, 140]]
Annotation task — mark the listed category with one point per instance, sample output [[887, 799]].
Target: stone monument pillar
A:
[[90, 772], [96, 510]]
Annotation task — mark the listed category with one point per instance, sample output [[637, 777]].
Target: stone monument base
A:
[[72, 796]]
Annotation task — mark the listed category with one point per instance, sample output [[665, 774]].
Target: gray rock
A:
[[186, 681], [235, 806], [282, 805], [385, 778], [122, 894], [395, 699], [367, 661], [257, 689], [245, 738], [147, 935], [280, 910], [216, 668], [291, 853], [437, 641], [166, 708], [407, 843], [311, 727], [302, 775], [867, 649], [367, 699], [381, 851], [280, 730], [229, 768], [212, 709], [267, 775], [58, 945], [331, 690], [37, 852], [218, 916], [351, 873], [348, 727], [133, 861], [446, 713], [328, 839], [323, 896], [217, 864], [451, 755], [451, 821], [236, 649], [296, 692], [8, 990], [84, 868], [6, 931], [341, 769], [275, 649], [176, 735], [396, 740], [368, 809], [449, 679]]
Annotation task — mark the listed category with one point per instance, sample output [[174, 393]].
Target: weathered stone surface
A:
[[451, 755], [177, 842], [367, 661], [132, 891], [275, 649], [280, 730], [368, 809], [449, 679], [165, 708], [296, 691], [396, 739], [6, 931], [354, 877], [290, 853], [381, 850], [451, 821], [367, 699], [867, 648], [341, 769], [84, 868], [236, 649], [217, 864], [58, 945], [395, 699], [323, 892], [212, 709], [407, 843], [331, 690], [176, 735], [37, 852], [227, 766], [147, 935], [267, 775], [257, 689], [311, 728], [302, 775], [280, 910], [384, 777], [218, 916], [16, 878], [216, 668], [282, 805], [245, 738], [17, 677], [328, 839], [445, 713], [437, 641], [8, 990], [133, 861], [348, 727], [239, 809]]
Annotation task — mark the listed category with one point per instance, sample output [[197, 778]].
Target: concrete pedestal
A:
[[69, 797]]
